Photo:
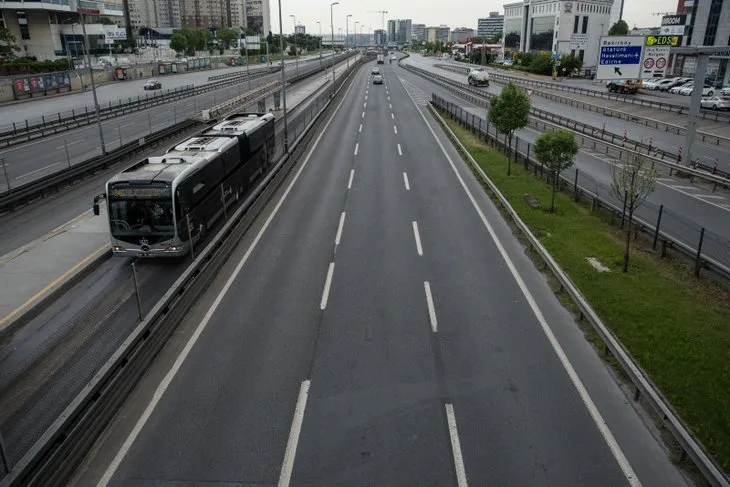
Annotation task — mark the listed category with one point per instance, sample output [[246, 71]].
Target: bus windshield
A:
[[141, 217]]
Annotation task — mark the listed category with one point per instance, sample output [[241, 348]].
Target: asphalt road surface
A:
[[708, 153], [111, 92], [42, 157], [382, 327], [695, 206]]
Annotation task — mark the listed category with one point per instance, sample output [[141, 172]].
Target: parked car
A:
[[679, 83], [687, 90], [676, 88], [725, 91], [716, 102], [377, 79], [651, 84], [152, 84], [663, 85]]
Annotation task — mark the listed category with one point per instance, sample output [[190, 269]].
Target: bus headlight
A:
[[173, 248], [117, 248]]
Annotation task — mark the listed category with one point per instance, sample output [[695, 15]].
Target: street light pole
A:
[[347, 34], [296, 50], [356, 37], [332, 28], [320, 42], [283, 79], [93, 83]]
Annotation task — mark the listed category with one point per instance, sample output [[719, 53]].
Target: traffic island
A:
[[675, 326]]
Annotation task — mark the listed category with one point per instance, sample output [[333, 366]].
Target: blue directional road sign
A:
[[620, 57]]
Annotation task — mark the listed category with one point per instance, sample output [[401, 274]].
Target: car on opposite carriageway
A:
[[152, 84]]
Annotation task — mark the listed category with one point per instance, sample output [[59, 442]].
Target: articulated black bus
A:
[[157, 206]]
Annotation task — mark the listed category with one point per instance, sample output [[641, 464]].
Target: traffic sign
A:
[[673, 41], [655, 61], [620, 57]]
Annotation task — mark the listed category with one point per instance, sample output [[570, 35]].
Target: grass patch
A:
[[676, 326]]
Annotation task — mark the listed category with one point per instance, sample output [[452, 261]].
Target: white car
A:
[[725, 91], [651, 84], [676, 89], [688, 89], [716, 102]]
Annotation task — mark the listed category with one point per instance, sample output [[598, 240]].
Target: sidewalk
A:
[[39, 271]]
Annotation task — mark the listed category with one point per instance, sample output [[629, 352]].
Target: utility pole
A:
[[332, 29], [283, 79], [93, 83], [347, 33]]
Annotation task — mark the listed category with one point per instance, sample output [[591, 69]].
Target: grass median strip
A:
[[677, 327]]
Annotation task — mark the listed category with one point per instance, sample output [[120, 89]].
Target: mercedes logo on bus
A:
[[144, 245]]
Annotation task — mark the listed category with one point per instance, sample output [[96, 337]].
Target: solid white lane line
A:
[[349, 183], [405, 180], [400, 151], [395, 129], [327, 284], [360, 129], [456, 447], [339, 229], [296, 428], [431, 308], [600, 423], [167, 380], [419, 248], [392, 116], [357, 146], [128, 124], [38, 170]]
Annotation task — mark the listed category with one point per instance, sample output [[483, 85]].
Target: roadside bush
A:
[[32, 66]]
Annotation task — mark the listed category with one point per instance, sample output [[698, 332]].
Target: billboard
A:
[[115, 34]]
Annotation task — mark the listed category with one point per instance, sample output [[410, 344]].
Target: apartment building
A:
[[418, 32], [490, 26], [438, 34]]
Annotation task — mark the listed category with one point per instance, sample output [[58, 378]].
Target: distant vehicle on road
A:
[[478, 77], [152, 84], [377, 79], [161, 204], [626, 86], [376, 70], [381, 59], [716, 102]]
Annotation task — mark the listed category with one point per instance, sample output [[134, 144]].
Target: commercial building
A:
[[400, 31], [557, 26], [438, 34], [51, 29], [461, 35], [490, 26], [381, 37], [418, 32]]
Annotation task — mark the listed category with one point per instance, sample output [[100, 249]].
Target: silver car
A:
[[716, 102]]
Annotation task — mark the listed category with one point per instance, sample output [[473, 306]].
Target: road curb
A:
[[34, 309]]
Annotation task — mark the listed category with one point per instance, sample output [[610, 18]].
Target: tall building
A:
[[418, 32], [258, 16], [206, 13], [400, 31], [461, 35], [707, 23], [381, 37], [438, 34], [300, 29], [547, 25], [155, 13], [238, 13], [490, 26], [617, 12]]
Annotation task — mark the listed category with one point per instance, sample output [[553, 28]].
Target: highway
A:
[[690, 207], [382, 326], [111, 92], [45, 156], [53, 356], [708, 153]]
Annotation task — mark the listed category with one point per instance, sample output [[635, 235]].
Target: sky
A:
[[429, 12]]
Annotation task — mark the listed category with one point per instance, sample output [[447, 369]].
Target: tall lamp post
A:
[[347, 34], [296, 50], [283, 80], [320, 41], [332, 29], [356, 37], [93, 83]]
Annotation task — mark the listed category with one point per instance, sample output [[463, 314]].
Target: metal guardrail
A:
[[704, 172], [54, 457], [28, 132], [643, 385], [667, 107], [33, 190], [258, 69], [604, 110]]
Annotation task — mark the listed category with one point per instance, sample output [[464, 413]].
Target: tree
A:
[[226, 37], [509, 111], [106, 21], [250, 32], [620, 28], [542, 63], [631, 184], [8, 44], [571, 63], [178, 43], [556, 150]]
